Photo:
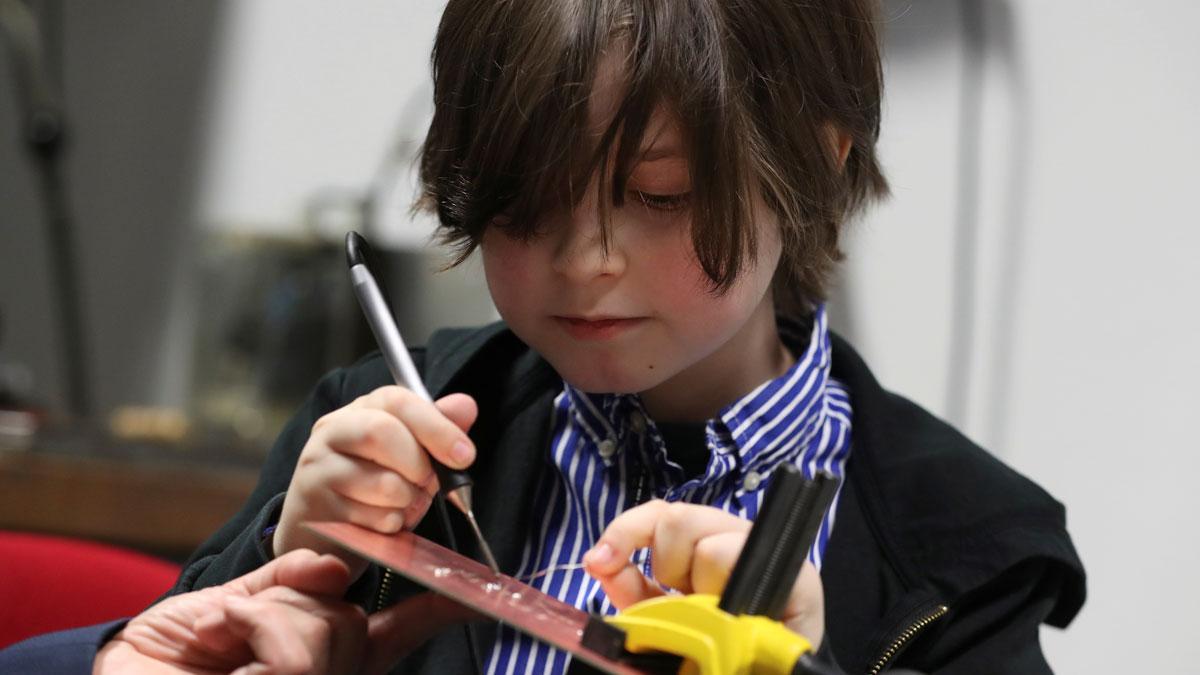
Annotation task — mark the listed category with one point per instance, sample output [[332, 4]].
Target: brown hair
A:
[[756, 85]]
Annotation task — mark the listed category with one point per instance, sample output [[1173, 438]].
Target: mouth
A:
[[597, 327]]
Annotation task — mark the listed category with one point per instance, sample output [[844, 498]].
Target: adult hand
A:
[[693, 550], [286, 617]]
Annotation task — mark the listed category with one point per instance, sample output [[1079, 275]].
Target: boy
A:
[[657, 191]]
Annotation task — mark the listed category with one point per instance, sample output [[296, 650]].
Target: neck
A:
[[755, 354]]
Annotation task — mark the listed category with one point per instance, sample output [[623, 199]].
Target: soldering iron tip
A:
[[483, 545]]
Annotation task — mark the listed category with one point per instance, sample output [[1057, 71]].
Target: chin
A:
[[597, 378]]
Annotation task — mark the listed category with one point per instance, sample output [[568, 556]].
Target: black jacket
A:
[[942, 560]]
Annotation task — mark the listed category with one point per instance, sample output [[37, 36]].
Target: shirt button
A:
[[638, 421], [607, 448], [751, 481]]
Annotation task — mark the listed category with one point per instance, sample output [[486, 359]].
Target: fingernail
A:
[[598, 555], [461, 452]]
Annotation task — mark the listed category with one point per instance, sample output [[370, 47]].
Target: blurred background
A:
[[176, 178]]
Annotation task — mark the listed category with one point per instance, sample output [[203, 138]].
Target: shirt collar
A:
[[757, 431]]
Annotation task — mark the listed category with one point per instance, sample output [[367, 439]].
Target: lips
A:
[[598, 327]]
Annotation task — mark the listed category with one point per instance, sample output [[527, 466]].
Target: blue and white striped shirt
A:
[[610, 456]]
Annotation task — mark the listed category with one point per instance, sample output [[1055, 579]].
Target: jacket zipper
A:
[[906, 636], [385, 589]]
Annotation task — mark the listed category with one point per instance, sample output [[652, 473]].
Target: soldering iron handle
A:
[[391, 344]]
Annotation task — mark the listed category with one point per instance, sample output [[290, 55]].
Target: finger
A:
[[325, 576], [376, 518], [805, 612], [713, 561], [415, 511], [302, 569], [282, 639], [628, 532], [665, 528], [346, 622], [343, 649], [214, 633], [671, 531], [460, 409], [396, 631], [376, 435], [678, 531], [368, 482], [627, 585], [609, 560], [440, 437]]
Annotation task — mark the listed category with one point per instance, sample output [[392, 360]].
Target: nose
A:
[[580, 254]]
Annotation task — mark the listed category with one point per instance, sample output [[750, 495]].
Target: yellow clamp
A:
[[711, 641]]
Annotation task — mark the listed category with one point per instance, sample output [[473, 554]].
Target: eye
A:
[[521, 232], [659, 202]]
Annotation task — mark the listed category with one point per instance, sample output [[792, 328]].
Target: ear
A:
[[843, 148], [839, 142]]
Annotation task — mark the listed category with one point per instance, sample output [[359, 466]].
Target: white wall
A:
[[312, 98], [1087, 202]]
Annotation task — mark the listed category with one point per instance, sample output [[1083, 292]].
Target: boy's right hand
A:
[[368, 463]]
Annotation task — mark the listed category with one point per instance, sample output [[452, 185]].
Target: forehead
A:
[[663, 135]]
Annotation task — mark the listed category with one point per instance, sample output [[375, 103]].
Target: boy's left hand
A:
[[693, 550]]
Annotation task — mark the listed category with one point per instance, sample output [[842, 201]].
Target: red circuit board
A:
[[474, 585]]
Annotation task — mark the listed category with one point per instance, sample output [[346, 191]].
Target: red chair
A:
[[51, 583]]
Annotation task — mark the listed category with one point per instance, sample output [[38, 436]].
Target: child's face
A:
[[645, 313]]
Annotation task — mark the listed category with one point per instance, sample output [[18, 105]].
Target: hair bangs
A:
[[511, 142], [761, 92]]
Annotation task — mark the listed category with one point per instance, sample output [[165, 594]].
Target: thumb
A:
[[301, 569], [460, 409]]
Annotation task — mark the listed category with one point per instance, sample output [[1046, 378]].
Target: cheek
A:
[[687, 291], [509, 269]]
